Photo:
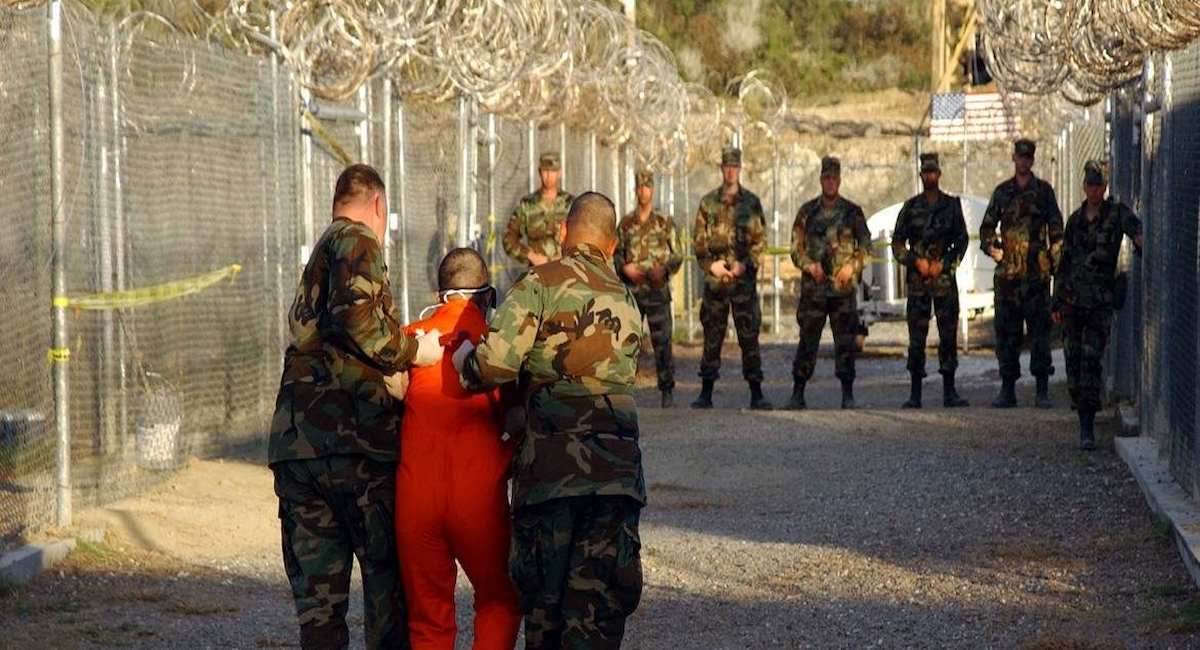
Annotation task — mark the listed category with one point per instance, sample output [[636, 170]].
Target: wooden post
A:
[[937, 30]]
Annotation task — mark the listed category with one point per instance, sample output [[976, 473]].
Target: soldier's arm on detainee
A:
[[357, 287], [900, 249], [513, 246], [500, 354], [800, 241]]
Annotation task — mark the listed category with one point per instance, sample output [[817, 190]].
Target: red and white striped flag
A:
[[955, 117]]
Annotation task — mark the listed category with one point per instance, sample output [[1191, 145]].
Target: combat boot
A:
[[1043, 393], [950, 397], [797, 403], [704, 401], [914, 394], [1087, 430], [668, 400], [1008, 395], [757, 401], [848, 394]]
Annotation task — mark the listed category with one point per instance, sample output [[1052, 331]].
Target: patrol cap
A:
[[731, 156], [929, 163], [1095, 172], [831, 166], [549, 160], [1024, 147], [644, 178]]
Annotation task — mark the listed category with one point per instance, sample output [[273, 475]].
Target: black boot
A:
[[914, 394], [1008, 395], [848, 394], [950, 397], [704, 401], [797, 403], [1043, 393], [1087, 430], [668, 400], [757, 401]]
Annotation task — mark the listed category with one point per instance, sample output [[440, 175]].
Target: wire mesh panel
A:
[[26, 410], [432, 158], [1124, 360]]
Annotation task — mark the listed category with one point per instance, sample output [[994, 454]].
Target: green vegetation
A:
[[810, 47]]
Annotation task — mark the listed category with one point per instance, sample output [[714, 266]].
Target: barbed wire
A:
[[1080, 48]]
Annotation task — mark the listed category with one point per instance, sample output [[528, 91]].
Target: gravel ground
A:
[[875, 528]]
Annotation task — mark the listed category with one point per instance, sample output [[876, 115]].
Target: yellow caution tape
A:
[[58, 355], [148, 295]]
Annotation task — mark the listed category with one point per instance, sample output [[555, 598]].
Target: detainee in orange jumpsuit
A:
[[451, 483]]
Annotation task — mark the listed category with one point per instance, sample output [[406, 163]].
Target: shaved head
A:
[[592, 220], [462, 268]]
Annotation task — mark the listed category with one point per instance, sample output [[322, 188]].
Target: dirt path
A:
[[880, 528]]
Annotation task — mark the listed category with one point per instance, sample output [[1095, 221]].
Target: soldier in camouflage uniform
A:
[[1026, 253], [830, 243], [930, 239], [1085, 290], [532, 235], [728, 239], [333, 442], [569, 333], [647, 256]]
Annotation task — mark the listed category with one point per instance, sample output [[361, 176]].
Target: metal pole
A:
[[386, 121], [562, 152], [491, 198], [277, 223], [59, 354], [104, 393], [118, 225], [306, 180], [533, 171], [402, 199], [689, 300], [776, 282], [592, 159], [364, 127], [616, 178], [473, 149], [464, 165]]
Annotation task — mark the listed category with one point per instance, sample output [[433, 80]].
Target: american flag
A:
[[955, 117]]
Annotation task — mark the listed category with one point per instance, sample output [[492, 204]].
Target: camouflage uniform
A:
[[934, 232], [569, 332], [733, 231], [1031, 232], [832, 237], [1084, 292], [649, 244], [534, 225], [333, 443]]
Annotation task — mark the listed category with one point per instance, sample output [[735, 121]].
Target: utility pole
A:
[[937, 29]]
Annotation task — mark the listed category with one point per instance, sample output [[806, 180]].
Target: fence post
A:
[[59, 354], [118, 223], [562, 153], [364, 125], [386, 122], [592, 159], [532, 152], [490, 247], [402, 197], [776, 282]]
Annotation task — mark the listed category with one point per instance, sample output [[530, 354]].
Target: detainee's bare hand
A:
[[397, 385]]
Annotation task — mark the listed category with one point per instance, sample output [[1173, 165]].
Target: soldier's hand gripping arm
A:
[[499, 357], [357, 314], [987, 228], [514, 244]]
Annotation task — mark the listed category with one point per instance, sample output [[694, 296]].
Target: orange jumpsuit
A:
[[451, 497]]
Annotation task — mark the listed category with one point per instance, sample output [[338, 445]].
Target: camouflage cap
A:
[[644, 178], [929, 163], [549, 161], [1024, 147], [831, 166], [731, 156], [1095, 172]]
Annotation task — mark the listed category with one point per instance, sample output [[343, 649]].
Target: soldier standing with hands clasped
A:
[[333, 445], [531, 236], [729, 238], [930, 239], [830, 242], [647, 256], [1087, 289], [569, 333], [1026, 253]]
